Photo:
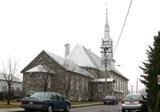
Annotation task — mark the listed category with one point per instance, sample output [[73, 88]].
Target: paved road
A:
[[98, 108]]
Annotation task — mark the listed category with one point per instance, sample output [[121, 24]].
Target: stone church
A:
[[81, 75]]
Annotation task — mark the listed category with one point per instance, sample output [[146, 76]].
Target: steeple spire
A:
[[106, 28]]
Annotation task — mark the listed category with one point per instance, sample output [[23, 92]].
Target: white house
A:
[[16, 86]]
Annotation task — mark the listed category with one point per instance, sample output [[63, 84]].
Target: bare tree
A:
[[66, 78], [9, 74], [43, 77]]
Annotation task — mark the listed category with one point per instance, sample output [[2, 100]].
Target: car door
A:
[[53, 100], [62, 102], [57, 102]]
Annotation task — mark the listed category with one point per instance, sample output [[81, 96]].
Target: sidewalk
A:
[[73, 106], [12, 110]]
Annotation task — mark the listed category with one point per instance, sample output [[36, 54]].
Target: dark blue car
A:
[[45, 101], [110, 100]]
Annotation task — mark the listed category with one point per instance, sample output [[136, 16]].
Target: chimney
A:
[[67, 49]]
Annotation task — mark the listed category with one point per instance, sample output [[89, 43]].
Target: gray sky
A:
[[29, 26]]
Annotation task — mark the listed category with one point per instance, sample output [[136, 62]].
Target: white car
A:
[[133, 102]]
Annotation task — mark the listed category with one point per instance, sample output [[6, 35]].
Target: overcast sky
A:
[[29, 26]]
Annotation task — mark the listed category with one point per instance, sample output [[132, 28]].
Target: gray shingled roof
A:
[[40, 68], [103, 80], [79, 57], [83, 57], [69, 64]]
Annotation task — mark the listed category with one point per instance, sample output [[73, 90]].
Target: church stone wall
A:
[[79, 83]]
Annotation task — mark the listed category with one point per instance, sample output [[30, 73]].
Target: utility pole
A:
[[137, 86]]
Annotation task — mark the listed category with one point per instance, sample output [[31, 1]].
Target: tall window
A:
[[49, 82], [100, 88], [18, 89], [71, 84], [86, 85], [77, 85], [114, 85], [83, 84]]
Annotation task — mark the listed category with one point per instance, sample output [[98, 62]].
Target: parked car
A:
[[133, 102], [110, 100], [45, 101]]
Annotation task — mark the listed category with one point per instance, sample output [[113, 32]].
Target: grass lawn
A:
[[13, 104]]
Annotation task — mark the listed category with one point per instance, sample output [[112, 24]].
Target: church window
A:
[[83, 84], [71, 84], [100, 88], [77, 85], [49, 82], [86, 85], [115, 85]]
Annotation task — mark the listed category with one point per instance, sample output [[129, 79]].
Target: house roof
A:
[[15, 79]]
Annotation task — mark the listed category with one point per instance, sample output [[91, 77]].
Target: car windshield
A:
[[132, 97], [109, 97], [40, 95]]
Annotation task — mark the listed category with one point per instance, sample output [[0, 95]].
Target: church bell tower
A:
[[107, 60]]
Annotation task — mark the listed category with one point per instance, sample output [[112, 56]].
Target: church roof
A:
[[40, 68], [69, 64], [117, 72], [103, 80], [78, 58], [84, 57]]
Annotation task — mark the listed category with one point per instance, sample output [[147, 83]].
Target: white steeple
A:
[[106, 28], [107, 46]]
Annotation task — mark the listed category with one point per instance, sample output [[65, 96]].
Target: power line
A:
[[123, 26]]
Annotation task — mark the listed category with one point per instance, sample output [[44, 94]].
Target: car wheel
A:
[[123, 110], [104, 103], [50, 108], [27, 110], [67, 108]]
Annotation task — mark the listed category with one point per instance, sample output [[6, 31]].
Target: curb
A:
[[85, 105]]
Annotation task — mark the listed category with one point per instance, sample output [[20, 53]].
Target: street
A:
[[98, 108]]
